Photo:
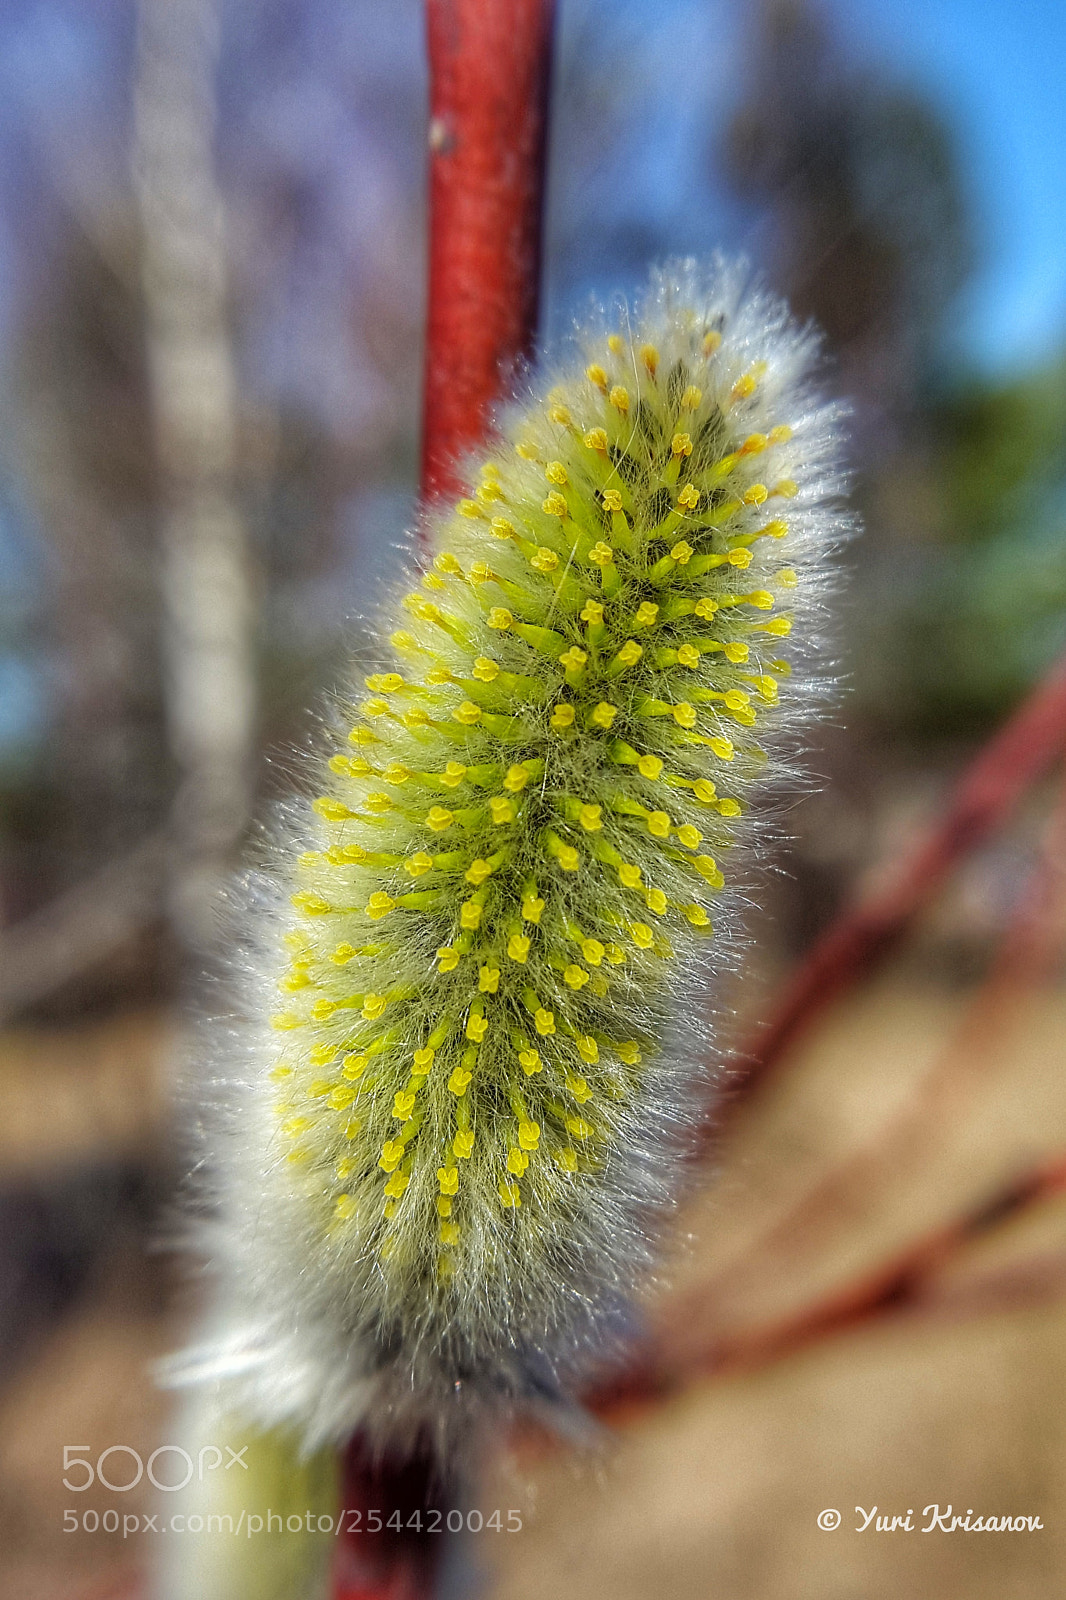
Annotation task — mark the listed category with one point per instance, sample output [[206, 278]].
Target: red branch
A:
[[490, 64], [490, 68], [987, 793]]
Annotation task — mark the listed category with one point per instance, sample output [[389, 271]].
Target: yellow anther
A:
[[526, 449], [781, 434], [293, 1128], [706, 608], [596, 375], [603, 715], [488, 980], [528, 1134], [467, 714], [593, 951], [518, 947], [681, 444], [502, 810], [601, 554], [643, 936], [312, 905], [374, 708], [468, 508], [342, 1096], [500, 528], [612, 500], [453, 774], [509, 1194], [578, 1088], [658, 824], [418, 864], [762, 599], [485, 669], [591, 818], [480, 572], [735, 699], [391, 1155], [629, 875], [431, 581], [563, 715], [682, 553], [596, 439], [544, 560], [373, 1006], [424, 1059], [630, 653], [283, 1021], [685, 715], [629, 1052], [379, 904], [448, 1178], [575, 977], [449, 1233], [532, 906], [477, 872], [555, 505], [691, 398], [402, 640], [656, 901], [689, 498], [615, 343], [573, 659], [722, 748], [754, 444], [756, 495], [650, 767], [500, 619], [650, 357], [776, 529], [396, 772], [567, 1159], [579, 1128], [592, 612], [444, 561], [448, 958], [708, 867], [587, 1048], [743, 387], [736, 651], [780, 626], [488, 492], [438, 818], [560, 414], [568, 858], [516, 779], [403, 1104], [729, 808], [459, 1080], [378, 802], [355, 1065], [647, 612], [517, 1161], [697, 916], [787, 578], [690, 836], [711, 342], [397, 1184], [530, 1062], [344, 952], [320, 1011], [463, 1144], [688, 656], [619, 398], [787, 488], [615, 954], [344, 1207], [544, 1022], [555, 472], [704, 791], [470, 915]]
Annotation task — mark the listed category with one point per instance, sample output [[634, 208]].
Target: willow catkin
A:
[[478, 1027]]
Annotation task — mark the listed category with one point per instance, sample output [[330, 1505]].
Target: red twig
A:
[[989, 789], [490, 68], [490, 63]]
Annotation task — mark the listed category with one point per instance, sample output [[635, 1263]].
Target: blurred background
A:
[[211, 302]]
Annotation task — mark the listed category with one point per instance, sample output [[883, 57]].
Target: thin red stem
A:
[[490, 67]]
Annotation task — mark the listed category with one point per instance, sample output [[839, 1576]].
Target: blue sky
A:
[[997, 68]]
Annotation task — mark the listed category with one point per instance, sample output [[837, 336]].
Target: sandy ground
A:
[[896, 1119]]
